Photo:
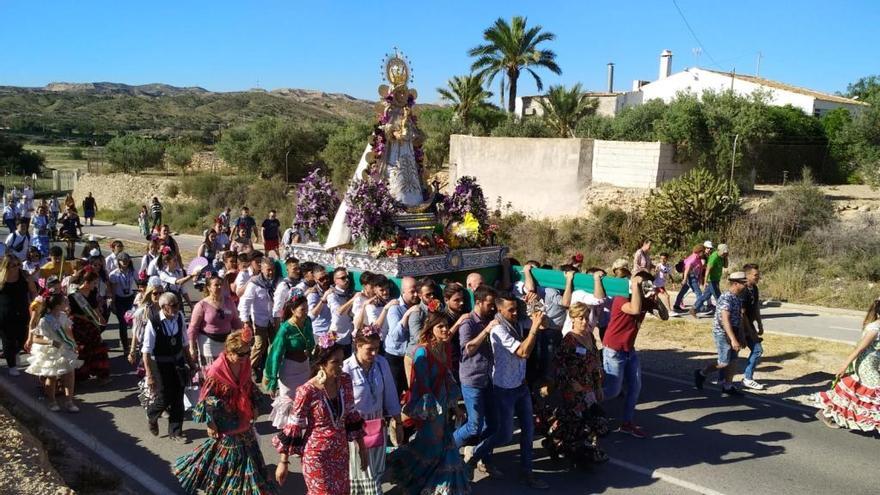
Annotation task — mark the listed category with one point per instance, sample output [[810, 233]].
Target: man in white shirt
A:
[[340, 302], [285, 285], [255, 310], [165, 351], [19, 240], [116, 247], [249, 265], [510, 350]]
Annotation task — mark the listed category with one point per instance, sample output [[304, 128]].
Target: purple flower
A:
[[316, 197], [371, 210], [467, 197]]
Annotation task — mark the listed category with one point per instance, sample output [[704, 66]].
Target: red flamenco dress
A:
[[87, 333]]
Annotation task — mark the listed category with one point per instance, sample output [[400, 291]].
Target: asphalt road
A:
[[701, 443]]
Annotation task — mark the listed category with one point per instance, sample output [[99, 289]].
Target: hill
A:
[[104, 107]]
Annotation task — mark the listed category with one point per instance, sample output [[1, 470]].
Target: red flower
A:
[[434, 305]]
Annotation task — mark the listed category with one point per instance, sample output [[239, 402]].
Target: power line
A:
[[694, 34]]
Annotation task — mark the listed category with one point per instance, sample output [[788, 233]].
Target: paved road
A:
[[702, 443]]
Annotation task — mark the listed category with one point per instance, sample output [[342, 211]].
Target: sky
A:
[[337, 46]]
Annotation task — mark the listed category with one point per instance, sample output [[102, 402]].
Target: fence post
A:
[[56, 180]]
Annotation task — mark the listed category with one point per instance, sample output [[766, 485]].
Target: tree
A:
[[466, 94], [273, 147], [861, 137], [864, 89], [131, 153], [180, 154], [440, 123], [344, 149], [565, 108], [14, 159], [509, 49]]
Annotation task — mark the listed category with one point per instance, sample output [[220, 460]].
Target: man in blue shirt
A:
[[398, 334]]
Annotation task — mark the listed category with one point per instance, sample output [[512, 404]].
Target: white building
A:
[[696, 81]]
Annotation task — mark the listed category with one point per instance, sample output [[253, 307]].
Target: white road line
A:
[[747, 395], [845, 328], [87, 440], [659, 475]]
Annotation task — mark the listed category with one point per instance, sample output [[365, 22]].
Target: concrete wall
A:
[[634, 164], [540, 176], [548, 177]]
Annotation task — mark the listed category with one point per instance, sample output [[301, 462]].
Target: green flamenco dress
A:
[[231, 464]]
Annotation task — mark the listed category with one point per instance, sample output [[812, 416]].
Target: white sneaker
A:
[[752, 384], [14, 372]]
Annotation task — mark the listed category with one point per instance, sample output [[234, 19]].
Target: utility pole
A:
[[758, 66], [286, 169], [732, 165]]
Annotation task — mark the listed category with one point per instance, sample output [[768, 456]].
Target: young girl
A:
[[144, 222], [53, 352]]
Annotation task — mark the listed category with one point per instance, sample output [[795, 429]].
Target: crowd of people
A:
[[414, 383]]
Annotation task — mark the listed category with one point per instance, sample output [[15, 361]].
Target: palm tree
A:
[[466, 94], [509, 49], [565, 108]]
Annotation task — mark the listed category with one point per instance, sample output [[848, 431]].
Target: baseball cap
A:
[[708, 244], [619, 263], [737, 277], [722, 249]]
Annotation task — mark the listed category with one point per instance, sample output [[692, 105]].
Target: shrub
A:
[[695, 202], [131, 153], [800, 207], [527, 127], [179, 155], [77, 154], [172, 190]]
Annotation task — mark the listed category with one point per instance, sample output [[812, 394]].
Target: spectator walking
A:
[[53, 355], [156, 212], [727, 332], [246, 221], [692, 276], [752, 324], [270, 232], [715, 266], [90, 207]]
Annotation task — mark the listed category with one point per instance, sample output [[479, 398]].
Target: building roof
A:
[[788, 87]]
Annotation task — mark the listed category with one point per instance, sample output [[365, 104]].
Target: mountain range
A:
[[84, 108]]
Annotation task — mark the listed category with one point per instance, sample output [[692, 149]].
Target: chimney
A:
[[665, 64], [610, 77]]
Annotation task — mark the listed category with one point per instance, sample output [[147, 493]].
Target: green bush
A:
[[527, 127], [800, 207], [77, 154], [131, 153], [693, 203], [172, 190]]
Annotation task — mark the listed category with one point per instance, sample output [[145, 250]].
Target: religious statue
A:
[[397, 140], [394, 153]]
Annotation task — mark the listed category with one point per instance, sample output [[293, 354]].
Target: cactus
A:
[[694, 203]]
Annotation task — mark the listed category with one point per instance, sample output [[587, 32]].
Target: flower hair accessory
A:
[[327, 340], [433, 305], [370, 330], [296, 295], [578, 258], [165, 250]]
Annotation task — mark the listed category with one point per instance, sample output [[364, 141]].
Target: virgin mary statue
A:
[[395, 148]]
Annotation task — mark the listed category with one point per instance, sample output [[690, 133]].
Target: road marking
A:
[[747, 395], [89, 441], [659, 475], [845, 328]]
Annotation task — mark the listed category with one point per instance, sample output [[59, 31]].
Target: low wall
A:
[[540, 176], [634, 164], [549, 177], [112, 191]]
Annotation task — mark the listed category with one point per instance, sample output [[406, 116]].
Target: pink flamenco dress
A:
[[319, 429]]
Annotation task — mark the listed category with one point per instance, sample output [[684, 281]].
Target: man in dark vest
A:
[[165, 353]]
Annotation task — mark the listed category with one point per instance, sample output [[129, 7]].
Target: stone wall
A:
[[112, 191], [208, 161], [549, 177]]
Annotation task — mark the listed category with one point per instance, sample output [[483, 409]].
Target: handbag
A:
[[374, 433]]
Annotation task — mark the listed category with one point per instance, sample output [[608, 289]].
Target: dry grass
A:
[[792, 367]]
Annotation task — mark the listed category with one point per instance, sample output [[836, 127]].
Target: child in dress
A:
[[53, 352], [662, 275]]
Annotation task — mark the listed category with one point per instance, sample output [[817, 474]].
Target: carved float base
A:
[[455, 260]]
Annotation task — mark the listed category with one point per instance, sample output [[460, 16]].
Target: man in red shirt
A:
[[621, 362]]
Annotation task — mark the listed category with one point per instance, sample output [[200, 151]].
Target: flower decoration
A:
[[295, 295], [370, 330], [316, 200], [327, 340], [165, 250], [433, 305], [371, 210], [466, 198]]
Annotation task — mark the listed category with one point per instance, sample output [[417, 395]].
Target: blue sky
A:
[[337, 46]]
